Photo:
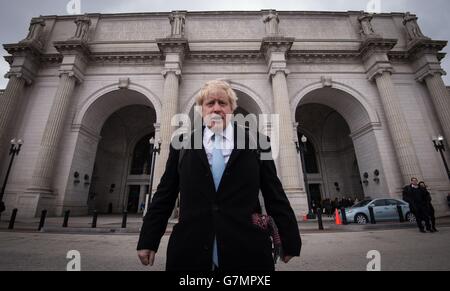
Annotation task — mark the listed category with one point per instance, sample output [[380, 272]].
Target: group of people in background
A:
[[419, 199], [329, 205]]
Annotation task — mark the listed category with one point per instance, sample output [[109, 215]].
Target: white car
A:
[[384, 209]]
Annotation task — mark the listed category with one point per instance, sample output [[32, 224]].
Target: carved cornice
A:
[[71, 46], [226, 56], [22, 48], [276, 44], [173, 45], [373, 45], [24, 60], [323, 56], [129, 58], [423, 46]]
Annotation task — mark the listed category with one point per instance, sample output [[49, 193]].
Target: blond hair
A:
[[214, 86]]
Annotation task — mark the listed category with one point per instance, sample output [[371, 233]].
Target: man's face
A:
[[216, 110], [414, 182]]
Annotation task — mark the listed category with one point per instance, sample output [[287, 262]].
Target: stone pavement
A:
[[399, 249]]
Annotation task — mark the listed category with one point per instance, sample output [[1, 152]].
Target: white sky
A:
[[16, 15]]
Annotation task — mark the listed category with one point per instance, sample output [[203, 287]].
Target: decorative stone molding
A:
[[24, 60], [420, 47], [276, 44], [326, 81], [374, 53], [365, 129], [173, 45], [324, 57], [124, 83], [424, 53], [376, 45], [75, 58]]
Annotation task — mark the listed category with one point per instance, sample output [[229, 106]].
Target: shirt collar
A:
[[228, 133]]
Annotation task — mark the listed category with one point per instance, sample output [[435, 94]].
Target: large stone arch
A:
[[88, 123], [95, 104], [347, 100], [363, 126]]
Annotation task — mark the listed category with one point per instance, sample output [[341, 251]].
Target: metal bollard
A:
[[94, 219], [372, 216], [124, 219], [400, 213], [13, 219], [344, 216], [66, 218], [319, 218], [42, 221]]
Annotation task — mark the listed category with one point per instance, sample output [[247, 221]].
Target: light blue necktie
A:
[[217, 168], [218, 161]]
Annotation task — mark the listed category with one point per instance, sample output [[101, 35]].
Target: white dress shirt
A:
[[227, 146]]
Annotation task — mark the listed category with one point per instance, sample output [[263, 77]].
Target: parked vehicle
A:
[[384, 209]]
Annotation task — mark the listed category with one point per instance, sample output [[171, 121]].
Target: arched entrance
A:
[[116, 128], [342, 146]]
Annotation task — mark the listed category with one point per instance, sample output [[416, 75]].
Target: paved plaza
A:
[[401, 247]]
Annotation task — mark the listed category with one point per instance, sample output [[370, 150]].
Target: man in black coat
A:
[[417, 204], [215, 229]]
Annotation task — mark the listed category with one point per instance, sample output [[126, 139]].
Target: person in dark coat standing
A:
[[215, 229], [417, 204], [430, 208]]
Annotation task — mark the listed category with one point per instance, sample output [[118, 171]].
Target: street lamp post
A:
[[301, 148], [439, 146], [155, 148], [16, 145]]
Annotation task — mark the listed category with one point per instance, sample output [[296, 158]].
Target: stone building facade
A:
[[85, 93]]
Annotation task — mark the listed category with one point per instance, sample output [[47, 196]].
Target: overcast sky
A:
[[15, 15]]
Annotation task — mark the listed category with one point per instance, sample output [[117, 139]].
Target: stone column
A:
[[24, 63], [288, 154], [169, 109], [8, 104], [374, 54], [441, 100], [404, 148], [44, 169], [275, 49], [75, 55], [174, 50]]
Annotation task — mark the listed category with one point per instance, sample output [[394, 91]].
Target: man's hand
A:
[[286, 259], [147, 257]]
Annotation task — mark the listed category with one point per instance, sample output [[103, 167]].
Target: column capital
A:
[[425, 54], [176, 71], [373, 52], [429, 70], [20, 75], [76, 55], [24, 60]]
